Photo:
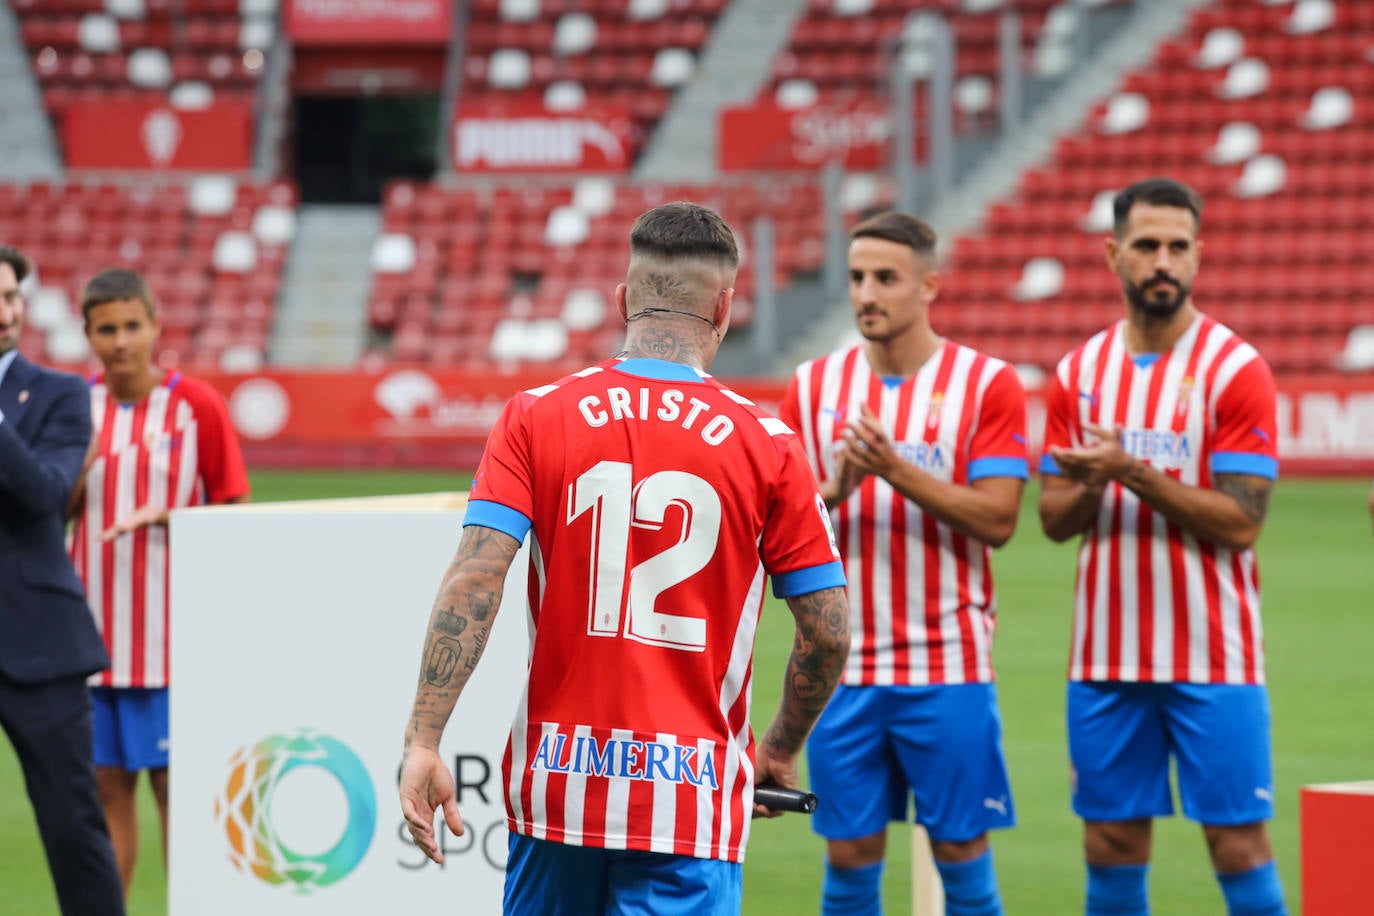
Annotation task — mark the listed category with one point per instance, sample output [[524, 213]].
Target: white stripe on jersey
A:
[[120, 584], [575, 791], [733, 686], [706, 806], [665, 807], [616, 834]]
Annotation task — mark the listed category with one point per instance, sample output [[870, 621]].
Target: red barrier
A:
[[494, 137], [1337, 857], [768, 138], [410, 416], [151, 135], [369, 22]]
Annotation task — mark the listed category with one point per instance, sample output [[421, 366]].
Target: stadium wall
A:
[[409, 417]]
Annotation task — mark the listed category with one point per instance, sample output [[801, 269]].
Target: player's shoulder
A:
[[202, 397], [1223, 339], [989, 365], [565, 385], [1088, 351], [755, 417], [191, 388], [837, 357]]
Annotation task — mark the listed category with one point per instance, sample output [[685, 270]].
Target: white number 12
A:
[[608, 492]]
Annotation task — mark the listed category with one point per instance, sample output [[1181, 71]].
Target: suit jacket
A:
[[46, 628]]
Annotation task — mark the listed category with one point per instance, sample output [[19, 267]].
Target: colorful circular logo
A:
[[245, 809]]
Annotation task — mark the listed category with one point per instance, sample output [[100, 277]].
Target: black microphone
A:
[[779, 799]]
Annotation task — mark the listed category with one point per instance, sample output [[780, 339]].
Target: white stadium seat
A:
[[565, 95], [672, 67], [1221, 47], [235, 252], [1236, 142], [1126, 112], [212, 195], [98, 33], [575, 33], [393, 253], [1100, 216], [1041, 278], [1245, 78], [150, 68], [1331, 106], [1262, 176], [509, 68]]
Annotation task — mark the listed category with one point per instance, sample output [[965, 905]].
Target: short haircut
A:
[[899, 227], [16, 260], [682, 230], [115, 285], [1157, 192]]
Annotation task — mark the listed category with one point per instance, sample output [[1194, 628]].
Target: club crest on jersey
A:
[[1185, 395], [937, 401], [651, 761]]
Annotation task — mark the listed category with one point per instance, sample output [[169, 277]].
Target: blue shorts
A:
[[1121, 736], [130, 727], [553, 879], [875, 747]]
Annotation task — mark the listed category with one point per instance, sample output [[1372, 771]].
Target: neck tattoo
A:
[[656, 310]]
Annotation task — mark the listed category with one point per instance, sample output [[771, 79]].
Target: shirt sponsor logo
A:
[[932, 457], [1162, 448], [651, 761]]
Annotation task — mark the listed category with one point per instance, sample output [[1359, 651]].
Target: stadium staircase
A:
[[27, 150], [322, 311], [734, 66]]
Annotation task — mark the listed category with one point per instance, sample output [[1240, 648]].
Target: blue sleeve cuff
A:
[[979, 468], [497, 517], [1049, 466], [811, 579], [1245, 463]]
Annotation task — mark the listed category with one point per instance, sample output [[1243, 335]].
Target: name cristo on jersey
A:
[[666, 406]]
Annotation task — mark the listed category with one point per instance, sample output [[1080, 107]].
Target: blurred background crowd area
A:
[[328, 185]]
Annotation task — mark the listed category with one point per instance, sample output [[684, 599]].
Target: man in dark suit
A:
[[48, 640]]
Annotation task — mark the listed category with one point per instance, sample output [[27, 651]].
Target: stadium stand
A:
[[1264, 110], [212, 252], [630, 54], [105, 50], [524, 268], [1261, 106]]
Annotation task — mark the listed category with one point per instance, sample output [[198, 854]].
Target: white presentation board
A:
[[296, 636]]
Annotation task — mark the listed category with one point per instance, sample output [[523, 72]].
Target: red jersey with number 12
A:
[[659, 502], [174, 448]]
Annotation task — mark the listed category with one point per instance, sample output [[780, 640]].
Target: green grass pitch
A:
[[1317, 559]]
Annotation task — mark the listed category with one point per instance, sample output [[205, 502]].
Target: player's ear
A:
[[721, 316], [620, 301], [1111, 248], [930, 286]]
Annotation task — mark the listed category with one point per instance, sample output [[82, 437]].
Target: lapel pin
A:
[[23, 396]]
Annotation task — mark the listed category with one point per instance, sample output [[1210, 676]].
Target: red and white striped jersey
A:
[[174, 448], [1152, 602], [659, 501], [921, 601]]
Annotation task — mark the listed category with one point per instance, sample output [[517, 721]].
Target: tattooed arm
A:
[[818, 655], [468, 600]]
